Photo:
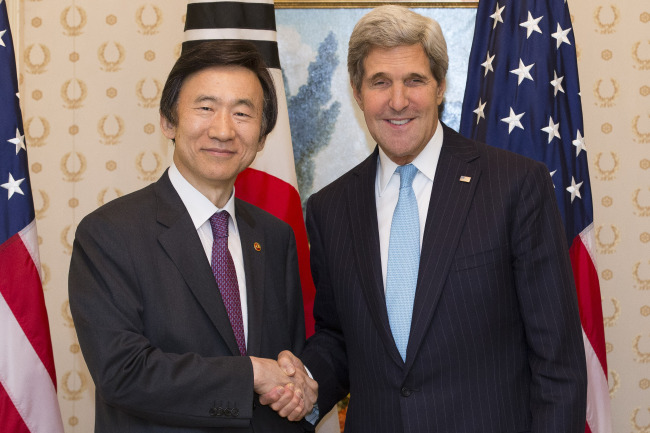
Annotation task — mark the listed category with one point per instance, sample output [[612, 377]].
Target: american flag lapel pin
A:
[[465, 179]]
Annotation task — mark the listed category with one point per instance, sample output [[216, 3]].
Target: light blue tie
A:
[[403, 259]]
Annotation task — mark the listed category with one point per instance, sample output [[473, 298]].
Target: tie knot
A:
[[219, 224], [406, 175]]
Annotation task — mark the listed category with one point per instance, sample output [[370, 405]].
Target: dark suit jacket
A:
[[152, 325], [495, 342]]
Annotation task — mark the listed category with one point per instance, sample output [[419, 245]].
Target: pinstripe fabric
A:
[[495, 341]]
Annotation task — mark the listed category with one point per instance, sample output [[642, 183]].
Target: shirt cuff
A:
[[312, 417]]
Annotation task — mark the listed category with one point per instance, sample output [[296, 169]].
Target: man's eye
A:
[[415, 81]]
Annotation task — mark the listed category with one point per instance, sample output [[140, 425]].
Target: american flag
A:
[[522, 94], [28, 401], [270, 182]]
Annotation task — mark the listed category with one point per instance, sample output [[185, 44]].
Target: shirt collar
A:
[[198, 205], [425, 162]]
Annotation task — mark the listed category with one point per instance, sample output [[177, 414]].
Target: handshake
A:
[[284, 385]]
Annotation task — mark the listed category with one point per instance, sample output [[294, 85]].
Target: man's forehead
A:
[[220, 80], [404, 59]]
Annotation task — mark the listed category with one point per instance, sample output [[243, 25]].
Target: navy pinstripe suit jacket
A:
[[495, 342]]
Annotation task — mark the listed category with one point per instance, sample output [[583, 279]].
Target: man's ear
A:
[[442, 87], [167, 128], [261, 144], [357, 96]]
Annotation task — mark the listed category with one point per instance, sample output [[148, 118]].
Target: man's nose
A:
[[399, 97], [222, 126]]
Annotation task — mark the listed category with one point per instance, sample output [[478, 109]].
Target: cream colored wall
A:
[[613, 41], [91, 75]]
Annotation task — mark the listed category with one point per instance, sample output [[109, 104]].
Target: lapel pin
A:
[[465, 179], [257, 246]]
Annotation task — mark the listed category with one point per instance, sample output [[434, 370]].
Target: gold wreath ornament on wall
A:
[[642, 211], [66, 315], [146, 28], [45, 275], [606, 101], [639, 428], [72, 389], [65, 239], [615, 383], [611, 320], [641, 357], [606, 174], [33, 67], [607, 248], [45, 200], [101, 197], [73, 175], [108, 138], [640, 137], [72, 26], [148, 101], [37, 140], [75, 101], [640, 63], [607, 27], [148, 175], [111, 65], [641, 284]]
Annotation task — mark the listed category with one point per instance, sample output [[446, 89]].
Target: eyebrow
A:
[[377, 75], [408, 76], [242, 101]]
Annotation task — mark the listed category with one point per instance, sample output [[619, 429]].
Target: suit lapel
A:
[[182, 244], [450, 202], [250, 233], [365, 236]]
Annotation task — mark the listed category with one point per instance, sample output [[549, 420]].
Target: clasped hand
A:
[[284, 385]]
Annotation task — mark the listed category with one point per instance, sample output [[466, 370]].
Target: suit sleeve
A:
[[130, 373], [548, 305], [325, 354]]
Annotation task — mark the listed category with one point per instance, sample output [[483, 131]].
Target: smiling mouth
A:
[[399, 122], [219, 150]]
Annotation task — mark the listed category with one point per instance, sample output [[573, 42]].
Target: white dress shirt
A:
[[387, 191], [200, 210]]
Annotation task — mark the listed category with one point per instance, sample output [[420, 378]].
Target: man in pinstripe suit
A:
[[155, 286], [495, 342]]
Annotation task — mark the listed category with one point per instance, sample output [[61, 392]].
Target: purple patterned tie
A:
[[223, 269]]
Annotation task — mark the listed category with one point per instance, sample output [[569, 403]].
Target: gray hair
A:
[[391, 26]]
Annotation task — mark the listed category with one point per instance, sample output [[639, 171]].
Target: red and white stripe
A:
[[270, 183], [591, 316], [28, 401]]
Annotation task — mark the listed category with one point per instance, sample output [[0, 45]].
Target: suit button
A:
[[226, 412], [405, 392], [235, 412], [213, 411]]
